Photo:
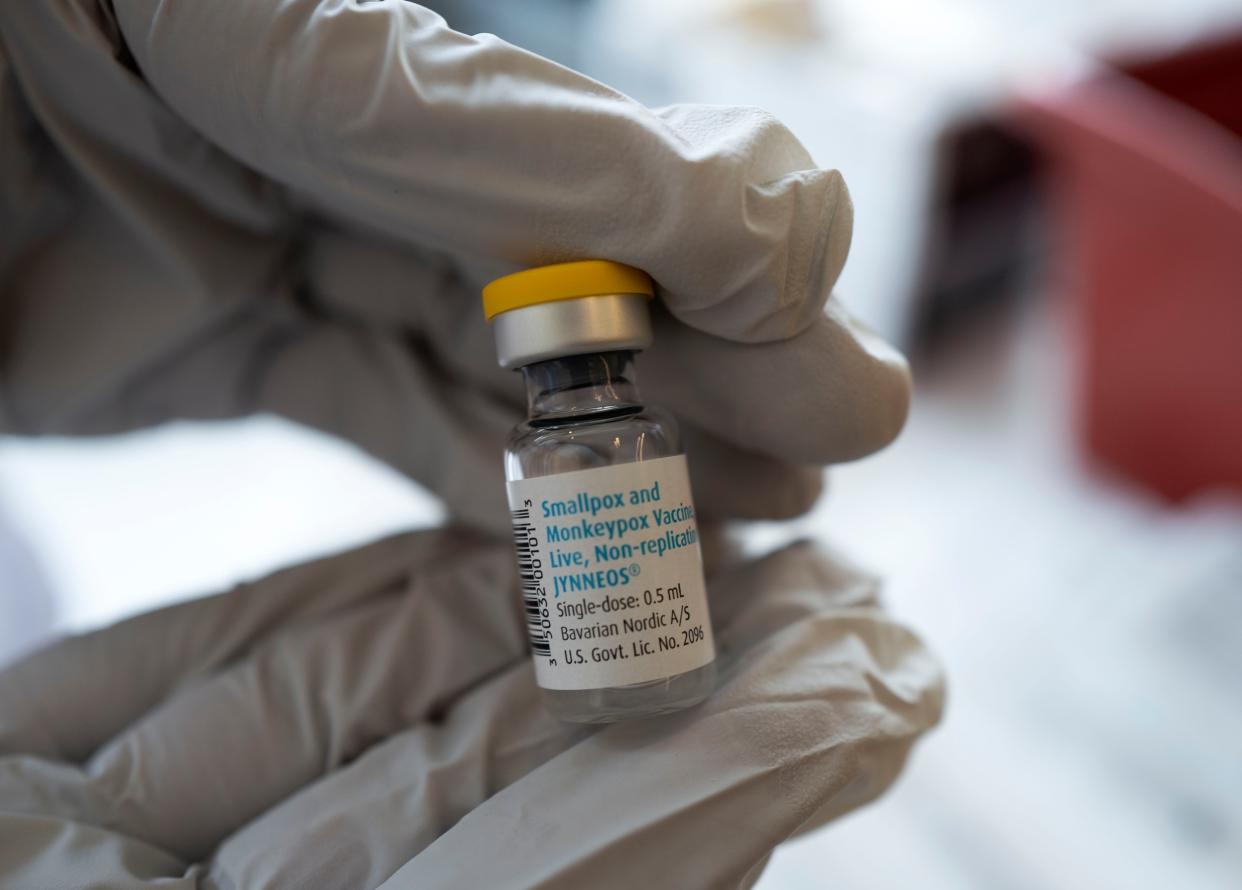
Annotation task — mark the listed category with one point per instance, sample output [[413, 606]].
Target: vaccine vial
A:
[[603, 521]]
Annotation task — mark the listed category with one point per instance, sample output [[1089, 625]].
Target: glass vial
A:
[[604, 524]]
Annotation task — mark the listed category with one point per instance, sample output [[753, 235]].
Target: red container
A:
[[1146, 172]]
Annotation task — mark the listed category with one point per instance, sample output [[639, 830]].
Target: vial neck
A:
[[579, 385]]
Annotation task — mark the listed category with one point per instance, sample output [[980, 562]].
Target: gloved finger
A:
[[358, 825], [304, 701], [381, 114], [833, 393], [820, 698], [842, 391], [65, 700], [729, 483]]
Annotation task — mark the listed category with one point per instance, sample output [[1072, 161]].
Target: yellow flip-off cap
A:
[[568, 309], [563, 281]]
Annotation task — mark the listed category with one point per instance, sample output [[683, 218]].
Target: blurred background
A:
[[1049, 220]]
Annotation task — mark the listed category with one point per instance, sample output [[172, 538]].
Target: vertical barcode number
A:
[[530, 570]]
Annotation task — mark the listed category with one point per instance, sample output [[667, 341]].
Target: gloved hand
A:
[[224, 208], [372, 720], [217, 209]]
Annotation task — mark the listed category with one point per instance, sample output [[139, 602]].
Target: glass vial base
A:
[[649, 699]]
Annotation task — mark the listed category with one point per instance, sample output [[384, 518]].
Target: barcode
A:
[[530, 570]]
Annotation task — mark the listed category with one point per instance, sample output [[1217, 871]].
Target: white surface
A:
[[125, 524], [1093, 641]]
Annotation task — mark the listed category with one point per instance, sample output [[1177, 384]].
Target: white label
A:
[[611, 574]]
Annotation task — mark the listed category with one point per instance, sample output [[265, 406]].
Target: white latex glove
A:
[[372, 719], [230, 207]]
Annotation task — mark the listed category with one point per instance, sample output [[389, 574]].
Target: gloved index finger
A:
[[381, 113], [67, 700], [301, 703]]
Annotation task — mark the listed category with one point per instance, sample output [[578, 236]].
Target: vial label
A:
[[612, 576]]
